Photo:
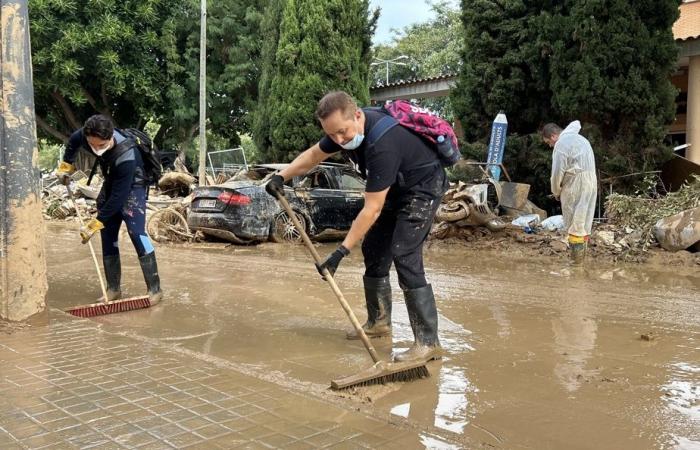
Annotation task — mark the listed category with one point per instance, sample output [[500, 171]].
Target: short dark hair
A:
[[99, 126], [550, 130], [334, 101]]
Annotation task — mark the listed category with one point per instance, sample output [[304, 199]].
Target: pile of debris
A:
[[470, 211], [671, 221], [499, 215], [55, 199], [167, 207]]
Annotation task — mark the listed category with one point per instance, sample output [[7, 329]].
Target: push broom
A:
[[104, 307], [381, 372]]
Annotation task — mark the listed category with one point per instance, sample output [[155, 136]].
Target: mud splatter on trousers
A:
[[400, 231], [133, 214]]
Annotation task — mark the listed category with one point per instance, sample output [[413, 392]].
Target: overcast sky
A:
[[397, 14]]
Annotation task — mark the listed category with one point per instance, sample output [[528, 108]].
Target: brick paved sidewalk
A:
[[71, 385]]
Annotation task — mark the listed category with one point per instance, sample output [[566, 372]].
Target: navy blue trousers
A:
[[133, 214]]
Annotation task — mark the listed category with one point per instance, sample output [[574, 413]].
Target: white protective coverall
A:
[[574, 180]]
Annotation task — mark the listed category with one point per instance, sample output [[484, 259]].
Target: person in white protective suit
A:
[[573, 182]]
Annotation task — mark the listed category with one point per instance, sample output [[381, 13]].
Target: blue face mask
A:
[[353, 143]]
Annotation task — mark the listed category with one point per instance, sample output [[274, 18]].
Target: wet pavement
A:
[[72, 384], [539, 356]]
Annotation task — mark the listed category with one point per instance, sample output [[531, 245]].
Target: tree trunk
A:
[[51, 130], [67, 110], [185, 145]]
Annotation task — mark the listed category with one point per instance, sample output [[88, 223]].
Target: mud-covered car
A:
[[239, 210]]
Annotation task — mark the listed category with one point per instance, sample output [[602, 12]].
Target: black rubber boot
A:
[[150, 274], [422, 313], [378, 300], [113, 276]]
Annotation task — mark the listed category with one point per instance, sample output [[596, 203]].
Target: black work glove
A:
[[275, 187], [333, 260]]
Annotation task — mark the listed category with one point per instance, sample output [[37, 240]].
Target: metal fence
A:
[[226, 162]]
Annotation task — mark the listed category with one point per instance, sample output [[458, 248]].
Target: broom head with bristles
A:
[[110, 307], [384, 372]]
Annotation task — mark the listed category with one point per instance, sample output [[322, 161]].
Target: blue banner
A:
[[497, 145]]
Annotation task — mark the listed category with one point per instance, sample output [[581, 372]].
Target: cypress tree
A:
[[605, 62], [262, 126], [320, 46], [503, 66], [612, 69]]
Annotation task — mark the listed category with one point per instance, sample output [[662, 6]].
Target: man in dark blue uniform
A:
[[405, 184], [122, 199]]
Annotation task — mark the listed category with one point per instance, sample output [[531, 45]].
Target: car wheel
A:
[[283, 229]]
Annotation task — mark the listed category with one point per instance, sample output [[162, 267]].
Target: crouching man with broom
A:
[[405, 184], [122, 199]]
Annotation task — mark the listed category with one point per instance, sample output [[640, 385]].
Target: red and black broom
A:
[[104, 307]]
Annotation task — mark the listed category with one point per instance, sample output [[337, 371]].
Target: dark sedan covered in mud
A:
[[239, 210]]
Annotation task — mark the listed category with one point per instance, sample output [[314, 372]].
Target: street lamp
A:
[[386, 63]]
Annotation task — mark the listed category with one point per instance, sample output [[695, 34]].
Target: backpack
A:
[[149, 153], [421, 121], [152, 168]]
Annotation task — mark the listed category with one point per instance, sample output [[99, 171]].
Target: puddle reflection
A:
[[575, 333], [431, 442], [682, 392], [452, 406]]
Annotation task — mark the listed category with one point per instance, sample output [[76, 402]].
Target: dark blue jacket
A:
[[121, 168]]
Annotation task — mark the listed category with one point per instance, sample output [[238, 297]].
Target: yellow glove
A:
[[92, 227], [64, 171]]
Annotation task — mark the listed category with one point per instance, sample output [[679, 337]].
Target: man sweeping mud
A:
[[405, 183], [122, 199]]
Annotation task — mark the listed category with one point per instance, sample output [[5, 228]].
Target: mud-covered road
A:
[[538, 356]]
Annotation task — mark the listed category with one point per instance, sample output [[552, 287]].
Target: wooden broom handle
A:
[[329, 278], [92, 250]]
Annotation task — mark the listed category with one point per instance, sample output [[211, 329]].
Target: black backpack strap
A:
[[92, 171], [379, 129], [118, 150]]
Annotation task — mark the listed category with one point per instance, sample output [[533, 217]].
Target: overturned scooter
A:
[[381, 372]]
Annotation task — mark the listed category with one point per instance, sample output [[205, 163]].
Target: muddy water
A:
[[538, 356]]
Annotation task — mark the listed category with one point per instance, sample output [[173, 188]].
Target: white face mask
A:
[[100, 151], [355, 142]]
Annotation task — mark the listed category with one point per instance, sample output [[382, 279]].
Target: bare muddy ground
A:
[[539, 355]]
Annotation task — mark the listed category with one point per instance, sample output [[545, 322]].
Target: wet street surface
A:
[[538, 355]]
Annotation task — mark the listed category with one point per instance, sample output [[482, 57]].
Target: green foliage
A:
[[504, 67], [233, 46], [641, 212], [613, 67], [214, 142], [139, 60], [251, 150], [97, 56], [433, 49], [311, 48], [48, 155], [607, 64]]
